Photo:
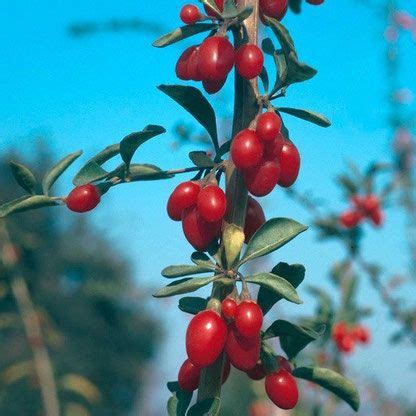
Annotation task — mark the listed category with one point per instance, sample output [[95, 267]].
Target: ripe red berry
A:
[[205, 338], [216, 58], [190, 14], [193, 65], [262, 179], [228, 308], [248, 319], [361, 334], [338, 331], [184, 196], [212, 203], [246, 149], [377, 217], [212, 87], [249, 61], [181, 68], [268, 126], [351, 218], [346, 344], [188, 377], [315, 2], [282, 389], [273, 148], [83, 198], [274, 8], [370, 203], [254, 218], [242, 352], [198, 232], [290, 164], [284, 363], [258, 372]]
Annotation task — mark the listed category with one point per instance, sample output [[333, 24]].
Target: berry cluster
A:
[[236, 333], [83, 198], [363, 207], [265, 156], [347, 336]]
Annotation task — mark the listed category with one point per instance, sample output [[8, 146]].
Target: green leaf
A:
[[295, 6], [184, 270], [106, 154], [183, 33], [211, 4], [24, 177], [294, 274], [272, 235], [243, 14], [276, 284], [202, 260], [264, 79], [181, 286], [56, 171], [179, 401], [193, 305], [90, 172], [224, 149], [325, 304], [207, 407], [293, 338], [192, 100], [332, 381], [146, 172], [307, 115], [201, 159], [131, 143], [267, 46], [26, 203], [229, 9]]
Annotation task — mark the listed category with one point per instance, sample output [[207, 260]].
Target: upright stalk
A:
[[245, 110]]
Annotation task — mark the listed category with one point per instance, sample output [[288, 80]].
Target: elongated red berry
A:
[[351, 218], [282, 389], [216, 58], [346, 344], [228, 308], [361, 334], [183, 196], [273, 8], [268, 126], [339, 329], [377, 217], [193, 65], [198, 232], [262, 179], [258, 372], [248, 319], [205, 338], [212, 87], [83, 198], [254, 218], [190, 14], [246, 149], [181, 68], [212, 203], [273, 148], [290, 164], [249, 61], [284, 363], [188, 377]]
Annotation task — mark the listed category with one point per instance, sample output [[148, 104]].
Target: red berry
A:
[[205, 338], [242, 352], [351, 218], [370, 203], [254, 218], [212, 203], [284, 363], [338, 331], [273, 148], [228, 308], [262, 179], [315, 2], [246, 149], [258, 372], [361, 334], [216, 58], [188, 377], [193, 65], [282, 389], [184, 196], [248, 319], [346, 344], [268, 126], [377, 217], [290, 164], [249, 61], [190, 14], [181, 68], [199, 233], [212, 87], [83, 198], [273, 8]]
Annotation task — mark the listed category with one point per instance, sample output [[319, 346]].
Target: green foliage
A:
[[207, 407], [307, 115], [26, 203], [24, 177], [179, 401], [192, 305], [91, 172], [201, 160], [184, 270], [178, 287]]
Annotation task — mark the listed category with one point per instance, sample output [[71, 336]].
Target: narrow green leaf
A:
[[184, 270], [56, 171], [131, 143], [23, 176], [264, 79], [179, 401], [229, 9], [202, 260], [282, 35], [267, 46], [26, 203], [183, 33], [207, 407], [211, 4], [192, 100], [332, 381], [307, 115], [90, 172], [181, 286], [272, 235], [192, 305], [243, 14], [276, 284], [294, 274], [224, 149], [146, 172], [325, 303], [106, 154], [201, 159]]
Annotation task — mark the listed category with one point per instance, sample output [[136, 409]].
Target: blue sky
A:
[[89, 92]]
